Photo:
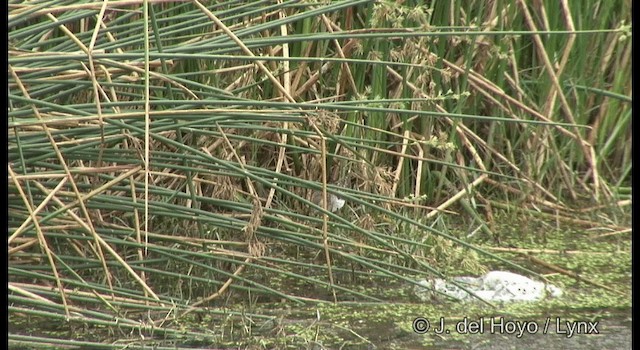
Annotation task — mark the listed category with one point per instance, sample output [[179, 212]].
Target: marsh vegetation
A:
[[168, 160]]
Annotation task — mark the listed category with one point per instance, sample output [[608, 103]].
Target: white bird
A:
[[334, 203]]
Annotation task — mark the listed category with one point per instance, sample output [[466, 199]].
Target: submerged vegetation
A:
[[163, 156]]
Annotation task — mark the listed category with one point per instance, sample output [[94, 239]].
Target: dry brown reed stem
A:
[[618, 232], [76, 170], [100, 241], [21, 289], [464, 192], [272, 78], [41, 240], [255, 248], [568, 273], [548, 66], [541, 251], [401, 157], [325, 237], [555, 216], [64, 8], [139, 230], [345, 70], [530, 197], [74, 186], [567, 49], [619, 204], [75, 74], [194, 242], [107, 247], [22, 247], [550, 102], [245, 49], [419, 168], [222, 289], [18, 232], [483, 85], [587, 149], [473, 135]]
